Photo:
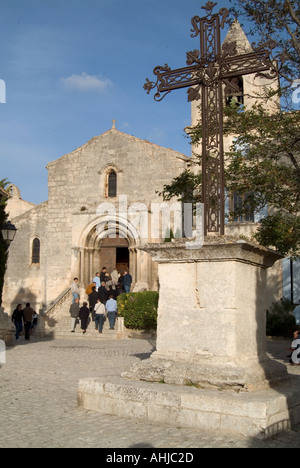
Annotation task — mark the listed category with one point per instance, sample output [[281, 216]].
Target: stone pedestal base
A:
[[256, 414]]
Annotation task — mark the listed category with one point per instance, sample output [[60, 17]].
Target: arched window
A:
[[112, 184], [36, 251]]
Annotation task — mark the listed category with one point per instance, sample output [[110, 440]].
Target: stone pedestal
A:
[[212, 317], [211, 348]]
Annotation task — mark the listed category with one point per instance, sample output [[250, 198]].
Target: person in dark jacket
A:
[[17, 319], [74, 312], [84, 314], [103, 275], [93, 298], [103, 293], [127, 281]]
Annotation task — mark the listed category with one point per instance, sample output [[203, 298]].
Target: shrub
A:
[[280, 319], [139, 310]]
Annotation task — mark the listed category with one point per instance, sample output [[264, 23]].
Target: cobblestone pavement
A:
[[38, 390]]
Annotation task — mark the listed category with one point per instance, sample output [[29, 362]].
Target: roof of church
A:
[[113, 130]]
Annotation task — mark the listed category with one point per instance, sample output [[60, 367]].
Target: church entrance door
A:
[[114, 254], [122, 259]]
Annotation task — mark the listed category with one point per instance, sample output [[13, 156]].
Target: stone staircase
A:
[[63, 329], [56, 321]]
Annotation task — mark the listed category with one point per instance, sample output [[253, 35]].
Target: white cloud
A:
[[86, 82]]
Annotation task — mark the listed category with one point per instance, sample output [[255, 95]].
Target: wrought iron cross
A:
[[210, 70]]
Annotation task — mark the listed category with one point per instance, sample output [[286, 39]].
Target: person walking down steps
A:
[[84, 315], [74, 312]]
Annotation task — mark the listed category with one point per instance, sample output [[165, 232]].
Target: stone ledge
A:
[[258, 414], [209, 373], [214, 249]]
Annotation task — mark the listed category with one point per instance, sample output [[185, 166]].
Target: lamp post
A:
[[8, 231]]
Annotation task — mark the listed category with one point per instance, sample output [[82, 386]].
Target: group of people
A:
[[102, 297], [26, 318]]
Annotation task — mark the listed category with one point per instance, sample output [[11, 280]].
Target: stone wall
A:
[[25, 281]]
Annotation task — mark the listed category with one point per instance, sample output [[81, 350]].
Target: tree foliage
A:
[[277, 21], [264, 163]]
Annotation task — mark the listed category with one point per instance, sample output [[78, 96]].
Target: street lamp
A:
[[8, 232]]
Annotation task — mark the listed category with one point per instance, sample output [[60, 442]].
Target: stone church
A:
[[66, 237], [70, 235]]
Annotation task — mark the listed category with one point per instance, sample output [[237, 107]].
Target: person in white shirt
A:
[[115, 278], [99, 316], [112, 309]]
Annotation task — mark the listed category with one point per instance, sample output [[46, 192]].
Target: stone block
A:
[[257, 414]]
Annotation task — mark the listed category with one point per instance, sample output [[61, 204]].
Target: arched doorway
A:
[[108, 243], [112, 244]]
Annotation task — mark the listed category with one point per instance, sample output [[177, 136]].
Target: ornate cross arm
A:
[[168, 79], [257, 61]]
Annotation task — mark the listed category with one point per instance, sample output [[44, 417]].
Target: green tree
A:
[[263, 168]]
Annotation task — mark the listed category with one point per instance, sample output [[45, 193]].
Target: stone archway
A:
[[108, 243], [123, 239]]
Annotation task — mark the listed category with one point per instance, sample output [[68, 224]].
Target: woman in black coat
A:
[[84, 315], [17, 318]]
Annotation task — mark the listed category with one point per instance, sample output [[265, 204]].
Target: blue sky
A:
[[72, 66]]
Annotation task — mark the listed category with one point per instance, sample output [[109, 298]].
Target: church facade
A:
[[98, 195]]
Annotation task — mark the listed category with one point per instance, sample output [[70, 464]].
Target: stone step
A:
[[63, 328]]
